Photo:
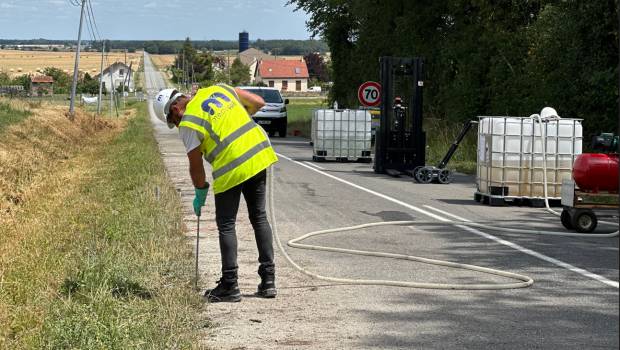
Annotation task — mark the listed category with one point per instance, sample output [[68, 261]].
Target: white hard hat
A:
[[162, 102], [549, 113]]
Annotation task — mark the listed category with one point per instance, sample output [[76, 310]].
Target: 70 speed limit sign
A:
[[369, 94]]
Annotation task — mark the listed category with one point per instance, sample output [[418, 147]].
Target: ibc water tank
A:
[[594, 172]]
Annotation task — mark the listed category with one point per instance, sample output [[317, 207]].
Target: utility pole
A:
[[111, 88], [228, 65], [124, 79], [77, 63], [100, 79]]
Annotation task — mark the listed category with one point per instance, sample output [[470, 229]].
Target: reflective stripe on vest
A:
[[235, 146], [240, 160]]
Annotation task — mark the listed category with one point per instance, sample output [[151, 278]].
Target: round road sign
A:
[[369, 94]]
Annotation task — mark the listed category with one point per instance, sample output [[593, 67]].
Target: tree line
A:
[[504, 57], [280, 47], [62, 81]]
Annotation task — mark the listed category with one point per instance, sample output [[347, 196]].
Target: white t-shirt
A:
[[191, 138]]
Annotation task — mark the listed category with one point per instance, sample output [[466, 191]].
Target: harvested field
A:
[[15, 62], [163, 61]]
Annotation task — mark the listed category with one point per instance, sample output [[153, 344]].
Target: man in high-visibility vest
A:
[[216, 124]]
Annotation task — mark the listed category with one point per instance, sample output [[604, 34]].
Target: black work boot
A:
[[267, 286], [227, 289]]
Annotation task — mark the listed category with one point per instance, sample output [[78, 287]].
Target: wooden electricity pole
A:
[[77, 63], [100, 79]]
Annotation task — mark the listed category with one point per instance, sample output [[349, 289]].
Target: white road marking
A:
[[314, 165], [467, 228], [422, 211], [529, 251]]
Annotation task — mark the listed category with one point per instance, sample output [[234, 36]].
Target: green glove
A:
[[201, 197]]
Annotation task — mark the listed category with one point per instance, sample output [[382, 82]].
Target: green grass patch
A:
[[440, 135], [101, 262], [300, 113], [9, 114]]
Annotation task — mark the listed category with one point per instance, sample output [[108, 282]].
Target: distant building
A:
[[41, 85], [250, 58], [116, 74], [285, 75], [244, 41]]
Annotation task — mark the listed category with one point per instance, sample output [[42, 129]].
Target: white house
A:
[[119, 73], [285, 75]]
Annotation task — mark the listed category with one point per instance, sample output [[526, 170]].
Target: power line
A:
[[92, 16]]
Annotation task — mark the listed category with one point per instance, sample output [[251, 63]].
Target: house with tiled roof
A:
[[285, 75], [41, 85]]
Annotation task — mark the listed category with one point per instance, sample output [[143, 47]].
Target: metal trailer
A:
[[579, 207], [400, 139], [439, 173]]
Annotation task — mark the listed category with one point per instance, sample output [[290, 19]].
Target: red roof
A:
[[42, 79], [283, 69]]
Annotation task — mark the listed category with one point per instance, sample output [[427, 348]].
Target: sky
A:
[[154, 19]]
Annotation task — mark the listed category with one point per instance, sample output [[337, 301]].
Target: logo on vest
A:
[[214, 101]]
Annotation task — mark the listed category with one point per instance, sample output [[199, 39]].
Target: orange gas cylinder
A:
[[594, 172]]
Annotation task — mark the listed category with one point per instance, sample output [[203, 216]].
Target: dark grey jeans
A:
[[226, 207]]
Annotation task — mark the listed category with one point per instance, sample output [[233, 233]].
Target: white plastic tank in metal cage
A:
[[510, 156], [341, 134]]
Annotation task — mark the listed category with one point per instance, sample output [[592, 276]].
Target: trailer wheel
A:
[[444, 176], [424, 175], [415, 173], [566, 220], [584, 221]]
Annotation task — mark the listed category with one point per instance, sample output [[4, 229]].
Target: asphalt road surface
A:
[[573, 303]]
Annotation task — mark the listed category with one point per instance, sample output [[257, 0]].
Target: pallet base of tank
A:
[[497, 201], [342, 159]]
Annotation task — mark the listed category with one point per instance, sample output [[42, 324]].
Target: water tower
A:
[[244, 41]]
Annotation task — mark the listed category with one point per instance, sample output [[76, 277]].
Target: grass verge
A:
[[300, 113], [94, 257], [11, 113]]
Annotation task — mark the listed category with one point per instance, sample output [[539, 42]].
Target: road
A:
[[573, 303]]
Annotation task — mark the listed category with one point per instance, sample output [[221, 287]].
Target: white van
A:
[[272, 117]]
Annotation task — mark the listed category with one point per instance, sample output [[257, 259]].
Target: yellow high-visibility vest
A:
[[235, 146]]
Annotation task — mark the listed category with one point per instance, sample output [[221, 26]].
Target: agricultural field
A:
[[163, 61], [15, 63]]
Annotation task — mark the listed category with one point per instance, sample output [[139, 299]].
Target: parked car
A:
[[272, 117]]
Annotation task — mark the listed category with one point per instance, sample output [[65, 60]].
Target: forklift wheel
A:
[[584, 221], [566, 220], [444, 176]]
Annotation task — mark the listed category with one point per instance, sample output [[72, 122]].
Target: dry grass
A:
[[15, 62], [30, 150], [163, 61], [89, 256]]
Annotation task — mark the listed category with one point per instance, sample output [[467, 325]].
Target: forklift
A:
[[400, 139]]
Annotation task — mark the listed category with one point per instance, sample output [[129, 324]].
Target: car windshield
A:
[[270, 96]]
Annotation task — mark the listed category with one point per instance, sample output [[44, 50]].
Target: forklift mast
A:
[[400, 139]]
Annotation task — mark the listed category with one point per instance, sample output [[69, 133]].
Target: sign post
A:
[[369, 94]]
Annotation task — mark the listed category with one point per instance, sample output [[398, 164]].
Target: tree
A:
[[481, 58], [317, 69], [88, 85], [62, 80], [5, 79], [239, 73], [23, 80]]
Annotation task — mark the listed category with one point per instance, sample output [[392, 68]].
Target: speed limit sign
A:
[[369, 94]]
